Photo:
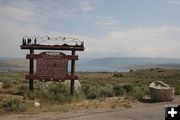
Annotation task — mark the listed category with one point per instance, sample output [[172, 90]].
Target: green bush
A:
[[57, 93], [36, 94], [93, 92], [14, 105], [78, 97], [139, 92], [7, 84], [107, 91], [119, 90], [19, 90], [177, 89], [145, 89], [85, 88], [97, 91], [39, 91], [128, 88]]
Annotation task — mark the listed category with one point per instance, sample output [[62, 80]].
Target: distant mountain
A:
[[5, 58], [106, 64], [131, 60], [24, 63], [6, 65], [124, 64], [13, 63]]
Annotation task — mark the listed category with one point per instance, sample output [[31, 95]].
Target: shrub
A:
[[177, 89], [58, 93], [139, 92], [78, 97], [33, 95], [145, 89], [93, 92], [85, 89], [128, 88], [107, 91], [14, 105], [98, 91], [119, 90], [19, 90], [7, 84]]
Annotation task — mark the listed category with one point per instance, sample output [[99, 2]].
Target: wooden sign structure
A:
[[51, 66]]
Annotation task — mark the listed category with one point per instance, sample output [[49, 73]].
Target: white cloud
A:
[[21, 17], [25, 17], [139, 42], [64, 12], [12, 12], [55, 9], [173, 2], [107, 22], [16, 21], [86, 5]]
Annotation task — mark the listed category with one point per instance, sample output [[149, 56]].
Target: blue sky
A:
[[110, 28]]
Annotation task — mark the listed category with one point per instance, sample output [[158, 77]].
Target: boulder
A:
[[1, 85], [77, 85], [117, 74], [160, 91], [36, 104]]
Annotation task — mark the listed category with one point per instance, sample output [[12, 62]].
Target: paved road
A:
[[141, 111]]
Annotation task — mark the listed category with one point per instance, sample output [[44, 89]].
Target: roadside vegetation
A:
[[99, 90]]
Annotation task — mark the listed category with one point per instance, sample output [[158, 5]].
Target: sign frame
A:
[[32, 76], [48, 66]]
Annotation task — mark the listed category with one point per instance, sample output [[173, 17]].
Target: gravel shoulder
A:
[[140, 111]]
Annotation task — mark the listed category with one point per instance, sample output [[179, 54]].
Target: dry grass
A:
[[107, 103], [137, 78], [15, 85]]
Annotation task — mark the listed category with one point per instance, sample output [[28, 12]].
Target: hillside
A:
[[107, 64], [14, 63], [124, 64], [18, 62], [6, 65]]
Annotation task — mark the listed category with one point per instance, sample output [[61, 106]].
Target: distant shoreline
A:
[[119, 68], [14, 69], [79, 69]]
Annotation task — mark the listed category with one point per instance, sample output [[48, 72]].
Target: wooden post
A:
[[31, 70], [72, 72]]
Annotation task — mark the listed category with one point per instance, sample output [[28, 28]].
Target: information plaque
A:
[[52, 66]]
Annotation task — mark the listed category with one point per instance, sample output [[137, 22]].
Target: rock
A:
[[117, 74], [48, 83], [77, 85], [131, 70], [36, 104], [178, 81], [1, 85], [151, 69], [160, 91]]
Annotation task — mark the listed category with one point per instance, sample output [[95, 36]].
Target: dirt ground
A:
[[140, 111]]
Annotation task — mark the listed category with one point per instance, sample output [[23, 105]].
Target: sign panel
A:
[[52, 66]]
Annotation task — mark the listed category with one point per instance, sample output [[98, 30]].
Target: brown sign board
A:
[[48, 66], [52, 66]]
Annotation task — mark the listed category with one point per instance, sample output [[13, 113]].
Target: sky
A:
[[109, 28]]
